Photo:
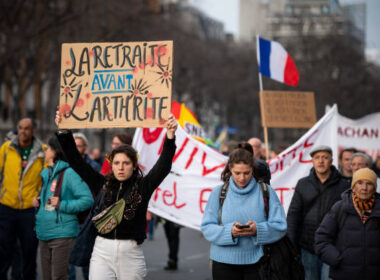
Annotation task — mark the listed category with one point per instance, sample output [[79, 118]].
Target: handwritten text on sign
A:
[[116, 84], [290, 109]]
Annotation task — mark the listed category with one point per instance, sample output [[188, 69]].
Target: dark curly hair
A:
[[137, 174], [131, 153], [238, 155], [124, 138]]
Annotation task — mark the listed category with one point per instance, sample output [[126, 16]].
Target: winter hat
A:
[[364, 174]]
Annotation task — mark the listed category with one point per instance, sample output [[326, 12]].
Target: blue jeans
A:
[[315, 269]]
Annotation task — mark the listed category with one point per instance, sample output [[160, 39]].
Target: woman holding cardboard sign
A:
[[115, 228]]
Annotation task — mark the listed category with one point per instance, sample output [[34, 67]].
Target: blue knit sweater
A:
[[242, 205]]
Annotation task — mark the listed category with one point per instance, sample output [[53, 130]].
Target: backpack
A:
[[281, 260], [81, 215]]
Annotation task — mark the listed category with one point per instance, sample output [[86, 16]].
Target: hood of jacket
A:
[[53, 171]]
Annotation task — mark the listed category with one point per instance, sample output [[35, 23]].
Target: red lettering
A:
[[365, 133], [212, 169], [281, 190], [162, 145], [346, 132], [195, 150], [156, 194], [374, 133], [167, 193], [181, 149], [305, 146], [340, 131], [150, 137], [203, 201]]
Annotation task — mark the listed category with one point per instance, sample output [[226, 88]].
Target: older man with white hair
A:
[[82, 144], [362, 160], [256, 146]]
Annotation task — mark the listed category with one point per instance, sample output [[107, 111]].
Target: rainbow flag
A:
[[189, 122]]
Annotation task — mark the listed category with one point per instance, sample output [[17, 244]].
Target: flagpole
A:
[[261, 89], [265, 128]]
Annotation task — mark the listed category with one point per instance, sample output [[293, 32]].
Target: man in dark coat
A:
[[313, 197], [348, 238]]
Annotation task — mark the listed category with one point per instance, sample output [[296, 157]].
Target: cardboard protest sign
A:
[[116, 84], [287, 109]]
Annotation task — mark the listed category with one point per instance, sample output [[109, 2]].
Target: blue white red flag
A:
[[276, 63]]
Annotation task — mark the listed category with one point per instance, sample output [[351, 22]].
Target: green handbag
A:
[[110, 217]]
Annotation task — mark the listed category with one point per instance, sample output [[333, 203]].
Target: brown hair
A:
[[124, 138], [238, 155], [137, 174]]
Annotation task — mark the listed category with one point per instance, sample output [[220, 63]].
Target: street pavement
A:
[[193, 257]]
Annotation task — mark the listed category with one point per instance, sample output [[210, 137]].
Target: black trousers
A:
[[172, 236], [225, 271], [18, 224]]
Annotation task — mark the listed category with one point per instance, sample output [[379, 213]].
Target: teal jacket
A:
[[75, 197]]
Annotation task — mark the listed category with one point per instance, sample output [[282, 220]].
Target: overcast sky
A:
[[227, 11]]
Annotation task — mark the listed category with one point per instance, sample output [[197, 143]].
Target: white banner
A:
[[295, 162], [196, 169], [362, 134]]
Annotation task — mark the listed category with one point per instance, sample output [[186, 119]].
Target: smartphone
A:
[[243, 226]]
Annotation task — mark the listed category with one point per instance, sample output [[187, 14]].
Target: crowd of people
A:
[[83, 208]]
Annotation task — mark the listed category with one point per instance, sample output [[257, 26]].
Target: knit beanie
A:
[[364, 174]]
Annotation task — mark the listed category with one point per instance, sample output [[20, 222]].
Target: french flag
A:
[[275, 63]]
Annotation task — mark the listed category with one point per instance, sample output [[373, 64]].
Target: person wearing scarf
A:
[[348, 238]]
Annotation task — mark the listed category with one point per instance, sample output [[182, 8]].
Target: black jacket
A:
[[310, 203], [352, 249], [127, 229]]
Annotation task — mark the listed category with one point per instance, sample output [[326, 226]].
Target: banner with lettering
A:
[[196, 169], [125, 84], [362, 134], [295, 162]]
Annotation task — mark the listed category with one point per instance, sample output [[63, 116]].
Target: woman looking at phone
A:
[[237, 227], [117, 254]]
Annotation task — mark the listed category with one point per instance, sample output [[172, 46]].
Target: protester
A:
[[96, 155], [348, 238], [376, 165], [150, 224], [122, 242], [239, 231], [362, 160], [117, 140], [21, 162], [56, 220], [257, 148], [172, 231], [345, 163], [313, 197], [82, 144]]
